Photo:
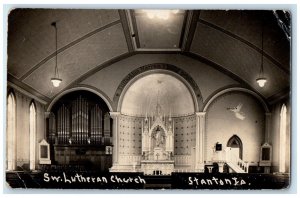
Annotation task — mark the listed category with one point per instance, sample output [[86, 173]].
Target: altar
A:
[[157, 144]]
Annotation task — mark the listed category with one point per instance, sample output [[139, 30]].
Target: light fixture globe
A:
[[56, 81], [261, 81]]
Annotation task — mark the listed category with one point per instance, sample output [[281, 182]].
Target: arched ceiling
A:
[[89, 40], [165, 90]]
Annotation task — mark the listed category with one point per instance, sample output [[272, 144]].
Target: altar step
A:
[[158, 182]]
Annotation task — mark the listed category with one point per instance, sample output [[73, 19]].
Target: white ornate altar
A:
[[157, 144]]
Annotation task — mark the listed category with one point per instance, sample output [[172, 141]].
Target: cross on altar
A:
[[157, 154]]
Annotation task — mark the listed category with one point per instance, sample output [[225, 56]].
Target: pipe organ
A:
[[51, 128], [79, 122], [96, 124], [63, 127]]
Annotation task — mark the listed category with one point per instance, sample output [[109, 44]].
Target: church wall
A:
[[130, 139], [22, 127], [109, 78], [222, 124], [185, 133], [275, 134], [184, 141]]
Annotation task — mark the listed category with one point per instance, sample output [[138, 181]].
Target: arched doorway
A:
[[236, 146]]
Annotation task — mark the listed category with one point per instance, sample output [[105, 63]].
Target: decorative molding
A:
[[164, 67], [199, 114], [114, 114], [68, 46], [272, 60]]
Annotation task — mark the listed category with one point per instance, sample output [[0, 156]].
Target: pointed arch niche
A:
[[11, 132], [236, 143]]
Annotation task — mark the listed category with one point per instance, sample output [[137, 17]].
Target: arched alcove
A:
[[80, 121], [169, 92], [158, 68], [236, 143]]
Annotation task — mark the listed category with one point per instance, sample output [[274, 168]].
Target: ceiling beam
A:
[[192, 19], [135, 29], [126, 30]]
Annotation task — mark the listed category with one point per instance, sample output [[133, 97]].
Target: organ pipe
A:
[[79, 121]]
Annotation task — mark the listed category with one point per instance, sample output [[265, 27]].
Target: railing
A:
[[234, 160]]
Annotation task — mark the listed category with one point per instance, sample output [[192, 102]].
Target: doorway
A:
[[236, 146]]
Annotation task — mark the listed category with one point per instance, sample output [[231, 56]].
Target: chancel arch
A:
[[11, 132], [156, 121], [159, 68]]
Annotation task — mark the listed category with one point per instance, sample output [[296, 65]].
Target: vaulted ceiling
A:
[[88, 40]]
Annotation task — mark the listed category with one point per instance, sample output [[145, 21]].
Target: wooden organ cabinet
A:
[[79, 130]]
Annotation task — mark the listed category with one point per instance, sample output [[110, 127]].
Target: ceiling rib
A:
[[191, 32], [135, 30], [183, 28], [245, 42], [67, 47], [126, 30]]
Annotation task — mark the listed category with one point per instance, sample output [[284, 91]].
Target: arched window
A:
[[11, 133], [282, 139], [32, 134]]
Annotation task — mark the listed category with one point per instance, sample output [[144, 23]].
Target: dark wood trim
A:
[[272, 60], [67, 47], [30, 90], [126, 30], [136, 32], [192, 30]]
